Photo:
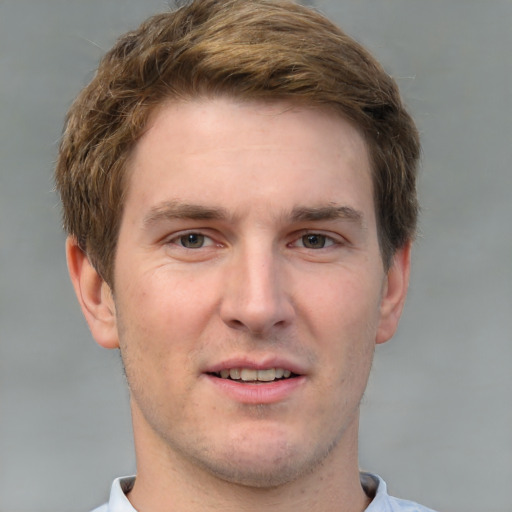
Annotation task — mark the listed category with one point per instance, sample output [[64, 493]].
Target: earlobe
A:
[[394, 294], [94, 295]]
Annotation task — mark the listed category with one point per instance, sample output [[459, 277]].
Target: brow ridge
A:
[[170, 210], [330, 212]]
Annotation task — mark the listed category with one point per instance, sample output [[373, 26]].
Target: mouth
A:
[[255, 376], [257, 382]]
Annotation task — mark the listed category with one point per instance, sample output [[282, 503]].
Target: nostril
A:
[[235, 324]]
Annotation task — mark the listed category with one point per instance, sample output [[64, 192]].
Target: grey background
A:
[[437, 418]]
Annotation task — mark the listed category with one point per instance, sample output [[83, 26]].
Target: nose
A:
[[255, 296]]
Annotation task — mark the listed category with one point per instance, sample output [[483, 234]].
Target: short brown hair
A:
[[250, 49]]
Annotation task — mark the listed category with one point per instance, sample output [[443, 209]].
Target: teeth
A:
[[267, 375], [251, 375], [247, 374]]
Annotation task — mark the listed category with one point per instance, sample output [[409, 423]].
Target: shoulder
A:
[[118, 502], [382, 501], [103, 508], [398, 505]]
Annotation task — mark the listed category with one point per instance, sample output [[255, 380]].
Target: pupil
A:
[[313, 241], [192, 240]]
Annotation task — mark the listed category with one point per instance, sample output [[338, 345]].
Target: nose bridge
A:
[[255, 295]]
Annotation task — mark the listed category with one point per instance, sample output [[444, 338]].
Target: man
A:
[[238, 183]]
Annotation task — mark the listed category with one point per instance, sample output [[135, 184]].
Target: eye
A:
[[315, 241], [193, 241]]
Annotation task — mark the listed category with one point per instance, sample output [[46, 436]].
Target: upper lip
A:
[[263, 363]]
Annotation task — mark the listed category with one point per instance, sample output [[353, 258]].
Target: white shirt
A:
[[372, 484]]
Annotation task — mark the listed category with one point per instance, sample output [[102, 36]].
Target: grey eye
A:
[[192, 240], [313, 241]]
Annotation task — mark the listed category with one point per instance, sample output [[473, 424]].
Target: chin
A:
[[265, 463], [259, 475]]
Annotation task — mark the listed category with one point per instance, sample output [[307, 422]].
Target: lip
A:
[[255, 364], [262, 393]]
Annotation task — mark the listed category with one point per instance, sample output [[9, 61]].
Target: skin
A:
[[248, 238]]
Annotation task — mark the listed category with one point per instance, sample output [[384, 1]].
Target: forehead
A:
[[198, 115], [266, 151]]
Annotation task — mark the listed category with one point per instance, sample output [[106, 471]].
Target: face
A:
[[249, 288]]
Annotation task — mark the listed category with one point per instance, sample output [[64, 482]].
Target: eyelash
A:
[[328, 241], [181, 237], [300, 241]]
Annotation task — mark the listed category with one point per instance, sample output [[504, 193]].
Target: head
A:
[[264, 50], [238, 184]]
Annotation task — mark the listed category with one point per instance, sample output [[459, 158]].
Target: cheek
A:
[[153, 344], [342, 319], [345, 304], [163, 301], [162, 318]]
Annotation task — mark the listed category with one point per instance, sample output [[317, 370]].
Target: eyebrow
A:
[[330, 212], [171, 210], [174, 210]]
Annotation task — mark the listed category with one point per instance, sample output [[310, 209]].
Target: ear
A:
[[94, 295], [394, 293]]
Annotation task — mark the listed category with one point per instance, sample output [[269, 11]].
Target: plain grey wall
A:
[[437, 418]]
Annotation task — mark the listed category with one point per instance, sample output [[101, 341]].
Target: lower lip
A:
[[264, 393]]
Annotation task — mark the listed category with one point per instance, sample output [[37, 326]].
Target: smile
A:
[[254, 375], [251, 382]]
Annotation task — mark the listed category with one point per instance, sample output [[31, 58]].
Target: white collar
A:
[[372, 484]]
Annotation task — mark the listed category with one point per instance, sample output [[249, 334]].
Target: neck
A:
[[167, 481]]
